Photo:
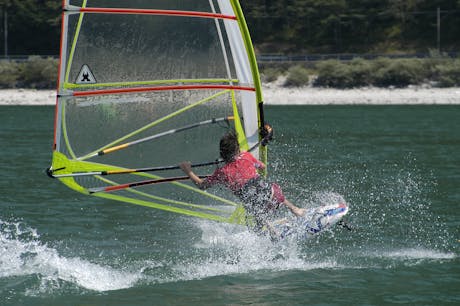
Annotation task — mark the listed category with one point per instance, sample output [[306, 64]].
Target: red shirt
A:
[[237, 173]]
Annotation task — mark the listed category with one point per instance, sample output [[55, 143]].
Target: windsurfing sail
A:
[[146, 84]]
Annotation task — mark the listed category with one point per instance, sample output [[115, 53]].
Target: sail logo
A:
[[85, 76]]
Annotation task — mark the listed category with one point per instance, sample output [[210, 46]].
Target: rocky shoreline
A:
[[277, 95]]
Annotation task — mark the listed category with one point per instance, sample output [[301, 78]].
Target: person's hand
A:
[[267, 134]]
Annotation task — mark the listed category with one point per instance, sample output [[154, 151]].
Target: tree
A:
[[282, 26], [33, 26]]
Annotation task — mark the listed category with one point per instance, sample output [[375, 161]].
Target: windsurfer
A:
[[239, 174]]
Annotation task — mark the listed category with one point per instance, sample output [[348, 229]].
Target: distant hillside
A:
[[359, 26], [282, 26]]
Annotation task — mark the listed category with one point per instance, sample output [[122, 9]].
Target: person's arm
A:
[[199, 182]]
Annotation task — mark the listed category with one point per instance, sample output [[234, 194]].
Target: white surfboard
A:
[[315, 221]]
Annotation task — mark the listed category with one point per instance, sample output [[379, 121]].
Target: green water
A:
[[397, 166]]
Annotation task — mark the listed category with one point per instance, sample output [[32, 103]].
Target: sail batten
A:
[[154, 12], [133, 70], [152, 82], [159, 88]]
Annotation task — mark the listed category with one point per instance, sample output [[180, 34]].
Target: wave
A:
[[23, 254], [222, 250], [227, 250]]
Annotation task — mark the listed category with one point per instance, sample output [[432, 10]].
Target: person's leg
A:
[[278, 197], [299, 212]]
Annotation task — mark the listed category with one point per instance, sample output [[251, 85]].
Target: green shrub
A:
[[385, 72], [38, 73], [297, 76], [9, 74], [270, 74], [361, 73], [41, 73], [399, 72], [333, 73], [448, 75]]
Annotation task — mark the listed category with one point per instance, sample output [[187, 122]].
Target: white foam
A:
[[325, 198], [419, 254], [22, 253], [410, 256], [234, 250]]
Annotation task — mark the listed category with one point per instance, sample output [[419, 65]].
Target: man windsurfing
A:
[[240, 175]]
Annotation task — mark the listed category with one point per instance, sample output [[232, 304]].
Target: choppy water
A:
[[397, 166]]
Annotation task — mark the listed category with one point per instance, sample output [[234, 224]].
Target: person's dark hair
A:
[[229, 146]]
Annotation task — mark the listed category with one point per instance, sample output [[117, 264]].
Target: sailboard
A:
[[146, 84], [315, 221]]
